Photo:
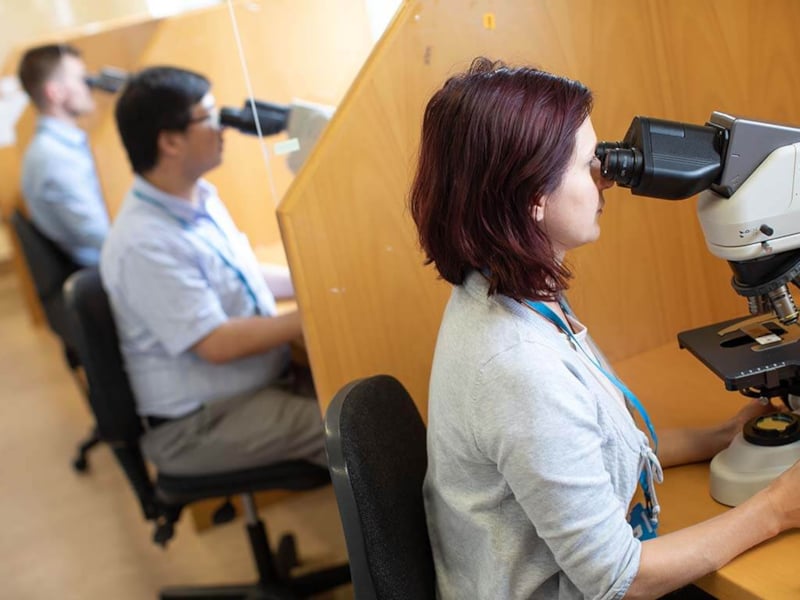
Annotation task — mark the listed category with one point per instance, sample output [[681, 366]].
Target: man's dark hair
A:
[[38, 66], [495, 139], [154, 100]]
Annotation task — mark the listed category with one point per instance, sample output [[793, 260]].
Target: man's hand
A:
[[248, 336]]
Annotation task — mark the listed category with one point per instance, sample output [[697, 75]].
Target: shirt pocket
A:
[[223, 279]]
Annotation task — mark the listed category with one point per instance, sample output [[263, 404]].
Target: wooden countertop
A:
[[678, 390]]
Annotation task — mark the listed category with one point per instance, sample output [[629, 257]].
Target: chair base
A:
[[224, 592], [295, 589], [275, 581]]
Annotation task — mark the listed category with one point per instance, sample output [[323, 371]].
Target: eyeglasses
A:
[[212, 117]]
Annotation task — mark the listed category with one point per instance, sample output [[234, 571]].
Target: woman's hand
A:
[[687, 445], [754, 408], [784, 497]]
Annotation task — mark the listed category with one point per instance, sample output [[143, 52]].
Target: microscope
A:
[[256, 117], [107, 79], [747, 174], [303, 121]]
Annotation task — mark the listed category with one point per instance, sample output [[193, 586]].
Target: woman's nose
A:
[[603, 183]]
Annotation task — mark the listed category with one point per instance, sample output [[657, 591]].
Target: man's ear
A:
[[170, 143], [52, 93]]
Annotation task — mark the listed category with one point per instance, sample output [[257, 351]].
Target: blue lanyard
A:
[[188, 227], [547, 313]]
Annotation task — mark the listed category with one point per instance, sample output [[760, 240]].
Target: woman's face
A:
[[570, 215]]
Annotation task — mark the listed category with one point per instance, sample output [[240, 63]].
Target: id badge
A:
[[643, 527]]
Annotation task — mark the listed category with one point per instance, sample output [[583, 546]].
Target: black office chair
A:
[[50, 267], [377, 457], [161, 500]]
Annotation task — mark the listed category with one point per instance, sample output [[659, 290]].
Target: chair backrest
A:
[[49, 267], [377, 456], [110, 394]]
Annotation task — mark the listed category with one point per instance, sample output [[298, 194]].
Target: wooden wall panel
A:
[[119, 45], [370, 306], [282, 64], [28, 22], [309, 49]]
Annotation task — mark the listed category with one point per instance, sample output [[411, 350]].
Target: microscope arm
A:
[[762, 217]]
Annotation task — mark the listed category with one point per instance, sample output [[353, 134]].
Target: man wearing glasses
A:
[[206, 354], [59, 180]]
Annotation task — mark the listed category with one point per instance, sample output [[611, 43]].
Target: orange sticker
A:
[[489, 21]]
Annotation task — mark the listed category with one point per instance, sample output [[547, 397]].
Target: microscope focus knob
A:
[[766, 230]]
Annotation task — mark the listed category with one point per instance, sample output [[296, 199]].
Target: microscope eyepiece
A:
[[604, 147], [623, 166]]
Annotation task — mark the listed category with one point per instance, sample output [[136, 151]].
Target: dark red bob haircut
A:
[[495, 139]]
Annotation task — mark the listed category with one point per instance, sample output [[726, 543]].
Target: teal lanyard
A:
[[188, 227], [545, 311]]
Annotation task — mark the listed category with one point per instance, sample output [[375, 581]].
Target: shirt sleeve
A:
[[167, 292], [540, 426]]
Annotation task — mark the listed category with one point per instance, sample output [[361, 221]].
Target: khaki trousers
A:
[[267, 426]]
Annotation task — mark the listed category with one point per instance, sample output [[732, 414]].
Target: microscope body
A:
[[747, 174], [751, 216]]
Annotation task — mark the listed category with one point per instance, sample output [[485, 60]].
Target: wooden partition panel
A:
[[307, 49], [369, 305], [282, 62]]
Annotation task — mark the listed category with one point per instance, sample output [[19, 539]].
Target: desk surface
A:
[[271, 253], [678, 390]]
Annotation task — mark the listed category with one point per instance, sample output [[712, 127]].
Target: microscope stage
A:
[[739, 359]]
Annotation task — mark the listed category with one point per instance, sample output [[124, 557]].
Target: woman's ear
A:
[[538, 209]]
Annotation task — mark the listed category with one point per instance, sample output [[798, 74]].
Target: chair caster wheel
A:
[[225, 513], [80, 464]]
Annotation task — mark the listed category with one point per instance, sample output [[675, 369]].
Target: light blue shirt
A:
[[175, 271], [61, 190]]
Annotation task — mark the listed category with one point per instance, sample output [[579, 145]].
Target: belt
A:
[[153, 421]]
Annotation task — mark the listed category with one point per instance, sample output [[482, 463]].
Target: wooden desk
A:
[[678, 390]]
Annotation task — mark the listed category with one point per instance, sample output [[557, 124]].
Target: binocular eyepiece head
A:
[[109, 79], [269, 118], [663, 159]]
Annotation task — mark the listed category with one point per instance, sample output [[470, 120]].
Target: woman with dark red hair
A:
[[534, 456]]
